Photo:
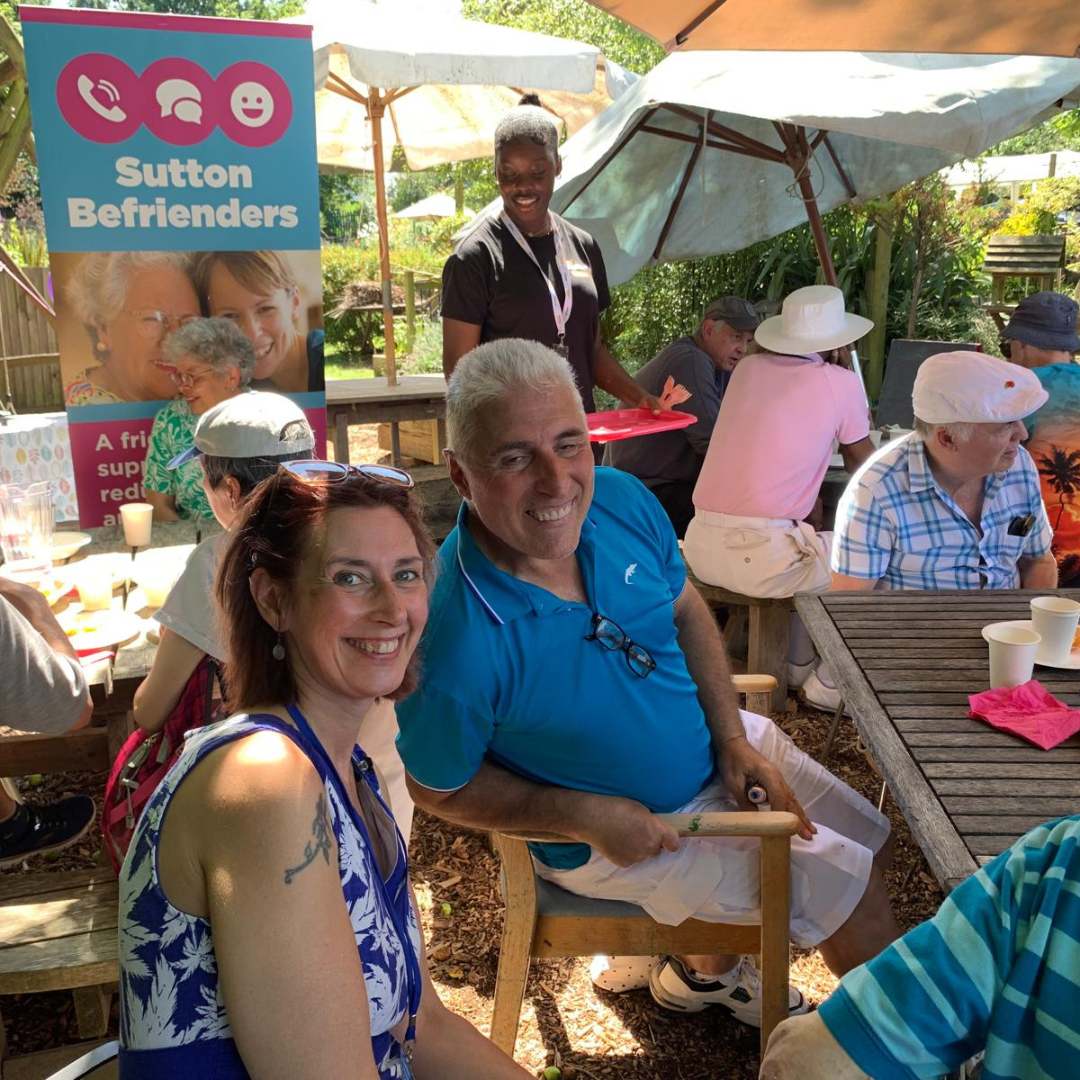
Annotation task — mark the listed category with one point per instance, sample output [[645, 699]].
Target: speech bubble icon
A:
[[180, 98]]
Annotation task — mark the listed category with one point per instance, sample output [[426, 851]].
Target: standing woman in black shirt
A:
[[527, 273]]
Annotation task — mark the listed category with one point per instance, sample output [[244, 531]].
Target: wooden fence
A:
[[28, 344]]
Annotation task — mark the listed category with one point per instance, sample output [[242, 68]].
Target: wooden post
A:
[[376, 108], [877, 288], [410, 310]]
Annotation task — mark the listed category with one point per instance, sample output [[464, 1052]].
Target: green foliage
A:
[[1060, 133], [231, 9], [574, 19], [1055, 195], [1027, 221], [426, 355], [24, 243]]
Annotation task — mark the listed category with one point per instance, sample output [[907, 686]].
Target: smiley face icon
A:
[[252, 104]]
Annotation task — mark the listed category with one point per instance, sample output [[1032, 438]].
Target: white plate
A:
[[1071, 664], [89, 631], [65, 544]]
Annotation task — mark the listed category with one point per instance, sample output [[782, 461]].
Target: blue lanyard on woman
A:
[[412, 964]]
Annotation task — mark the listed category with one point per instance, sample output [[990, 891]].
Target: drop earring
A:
[[278, 651]]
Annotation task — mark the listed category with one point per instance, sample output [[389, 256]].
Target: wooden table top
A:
[[905, 663], [409, 388]]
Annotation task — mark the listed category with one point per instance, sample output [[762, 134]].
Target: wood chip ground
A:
[[587, 1033]]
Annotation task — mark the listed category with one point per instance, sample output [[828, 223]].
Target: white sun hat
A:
[[812, 320], [973, 388]]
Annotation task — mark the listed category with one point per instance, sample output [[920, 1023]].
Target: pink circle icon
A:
[[99, 97], [179, 98], [254, 104]]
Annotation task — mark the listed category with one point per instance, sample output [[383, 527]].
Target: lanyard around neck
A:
[[412, 965], [561, 312]]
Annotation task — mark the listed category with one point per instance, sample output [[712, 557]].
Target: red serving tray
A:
[[629, 423]]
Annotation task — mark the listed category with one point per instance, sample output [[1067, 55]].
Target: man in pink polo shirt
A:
[[769, 453]]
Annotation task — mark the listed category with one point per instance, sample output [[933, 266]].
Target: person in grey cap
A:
[[1042, 336], [956, 504], [668, 464]]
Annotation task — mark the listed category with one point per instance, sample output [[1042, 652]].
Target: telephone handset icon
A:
[[111, 112]]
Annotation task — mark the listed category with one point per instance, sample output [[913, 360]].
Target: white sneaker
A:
[[618, 974], [814, 692], [672, 987], [797, 674]]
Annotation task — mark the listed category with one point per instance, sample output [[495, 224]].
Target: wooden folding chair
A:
[[542, 920]]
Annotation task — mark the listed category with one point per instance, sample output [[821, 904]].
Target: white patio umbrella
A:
[[434, 207], [374, 55], [435, 125], [711, 151], [1045, 28]]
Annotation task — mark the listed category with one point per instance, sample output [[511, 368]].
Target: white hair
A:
[[960, 433], [98, 288], [510, 368]]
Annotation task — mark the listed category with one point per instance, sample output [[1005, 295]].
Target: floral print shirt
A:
[[173, 1021], [173, 433]]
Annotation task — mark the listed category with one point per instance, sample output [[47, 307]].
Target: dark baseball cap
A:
[[738, 313], [1046, 320]]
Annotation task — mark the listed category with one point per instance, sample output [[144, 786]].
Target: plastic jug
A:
[[26, 531]]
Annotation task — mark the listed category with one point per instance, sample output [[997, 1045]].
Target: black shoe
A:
[[32, 830]]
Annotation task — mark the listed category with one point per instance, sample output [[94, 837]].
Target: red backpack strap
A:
[[145, 758]]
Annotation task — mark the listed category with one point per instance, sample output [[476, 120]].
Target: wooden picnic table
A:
[[905, 663], [372, 401]]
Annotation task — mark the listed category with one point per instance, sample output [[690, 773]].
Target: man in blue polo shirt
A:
[[573, 685]]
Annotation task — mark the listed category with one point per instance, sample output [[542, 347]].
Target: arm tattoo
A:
[[319, 842]]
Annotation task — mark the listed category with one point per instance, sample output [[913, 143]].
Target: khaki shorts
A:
[[717, 878], [768, 559]]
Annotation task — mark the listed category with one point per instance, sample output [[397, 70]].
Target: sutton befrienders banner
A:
[[179, 181]]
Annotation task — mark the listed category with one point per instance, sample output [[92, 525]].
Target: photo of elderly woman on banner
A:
[[149, 340]]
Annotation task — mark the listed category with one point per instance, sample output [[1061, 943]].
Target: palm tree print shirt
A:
[[1055, 447]]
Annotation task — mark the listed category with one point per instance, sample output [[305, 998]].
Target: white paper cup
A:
[[1012, 655], [1055, 620], [156, 577], [95, 587], [137, 519]]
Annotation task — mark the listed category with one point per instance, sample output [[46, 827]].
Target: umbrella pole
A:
[[376, 108], [817, 227]]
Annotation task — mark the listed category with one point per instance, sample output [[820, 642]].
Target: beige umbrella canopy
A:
[[439, 124], [1046, 28]]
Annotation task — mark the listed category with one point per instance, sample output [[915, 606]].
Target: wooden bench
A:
[[59, 933], [770, 628]]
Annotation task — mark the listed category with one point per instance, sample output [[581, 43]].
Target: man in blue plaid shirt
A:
[[957, 504]]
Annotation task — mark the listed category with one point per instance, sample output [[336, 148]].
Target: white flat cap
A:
[[972, 388]]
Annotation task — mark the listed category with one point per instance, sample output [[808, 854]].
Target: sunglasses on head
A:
[[333, 472]]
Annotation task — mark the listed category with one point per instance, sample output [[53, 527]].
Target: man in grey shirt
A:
[[668, 464], [44, 691]]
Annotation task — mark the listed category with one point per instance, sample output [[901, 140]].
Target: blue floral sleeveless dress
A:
[[172, 1016]]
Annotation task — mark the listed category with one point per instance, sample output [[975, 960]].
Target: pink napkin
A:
[[1029, 711]]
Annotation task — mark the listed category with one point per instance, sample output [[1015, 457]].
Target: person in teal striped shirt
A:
[[997, 969]]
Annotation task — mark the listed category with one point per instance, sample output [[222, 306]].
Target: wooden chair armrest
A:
[[727, 823], [734, 823], [753, 684]]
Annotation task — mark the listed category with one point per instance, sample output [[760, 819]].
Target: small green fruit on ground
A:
[[551, 1073]]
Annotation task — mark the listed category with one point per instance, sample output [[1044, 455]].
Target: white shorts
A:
[[756, 556], [717, 878]]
